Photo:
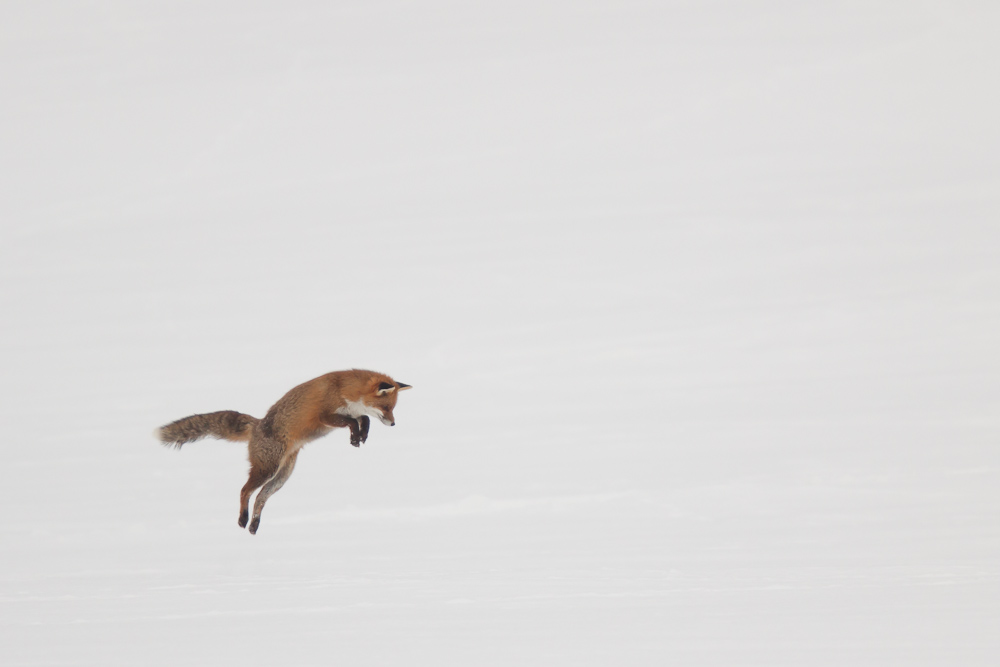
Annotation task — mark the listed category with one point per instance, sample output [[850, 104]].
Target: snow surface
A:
[[700, 303]]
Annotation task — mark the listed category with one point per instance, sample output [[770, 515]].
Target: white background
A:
[[700, 303]]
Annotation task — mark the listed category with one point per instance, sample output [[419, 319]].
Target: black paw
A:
[[253, 526], [244, 516]]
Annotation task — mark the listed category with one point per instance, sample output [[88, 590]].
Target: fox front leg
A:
[[359, 433], [364, 422]]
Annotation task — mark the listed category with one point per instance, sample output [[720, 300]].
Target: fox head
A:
[[382, 399]]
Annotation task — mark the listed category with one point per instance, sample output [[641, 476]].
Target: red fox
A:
[[307, 412]]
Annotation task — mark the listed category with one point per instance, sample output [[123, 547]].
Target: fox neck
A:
[[360, 408]]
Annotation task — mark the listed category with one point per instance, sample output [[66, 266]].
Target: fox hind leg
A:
[[258, 475], [272, 486]]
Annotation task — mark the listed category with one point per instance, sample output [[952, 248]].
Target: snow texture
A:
[[700, 303]]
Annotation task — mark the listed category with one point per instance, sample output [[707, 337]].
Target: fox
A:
[[307, 412]]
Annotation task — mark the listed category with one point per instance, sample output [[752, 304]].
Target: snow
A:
[[699, 302]]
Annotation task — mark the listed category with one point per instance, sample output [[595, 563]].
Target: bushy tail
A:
[[227, 424]]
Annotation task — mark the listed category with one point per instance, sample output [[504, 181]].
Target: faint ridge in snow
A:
[[476, 505]]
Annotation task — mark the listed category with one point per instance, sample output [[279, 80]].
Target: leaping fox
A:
[[308, 411]]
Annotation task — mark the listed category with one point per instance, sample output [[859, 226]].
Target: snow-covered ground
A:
[[700, 303]]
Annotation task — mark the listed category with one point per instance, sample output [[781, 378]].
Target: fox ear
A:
[[385, 388], [400, 386]]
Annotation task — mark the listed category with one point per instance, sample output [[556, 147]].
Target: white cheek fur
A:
[[360, 408]]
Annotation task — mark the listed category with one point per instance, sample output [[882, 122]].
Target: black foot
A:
[[253, 526], [244, 517]]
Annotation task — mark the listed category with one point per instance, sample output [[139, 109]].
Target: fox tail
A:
[[227, 425]]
